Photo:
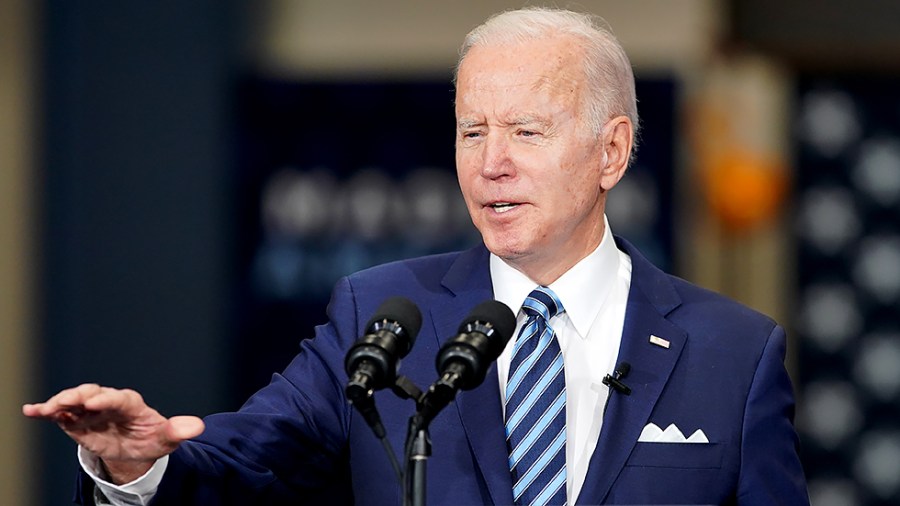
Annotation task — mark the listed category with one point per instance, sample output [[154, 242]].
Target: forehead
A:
[[550, 66]]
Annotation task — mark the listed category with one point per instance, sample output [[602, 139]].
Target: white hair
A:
[[606, 66]]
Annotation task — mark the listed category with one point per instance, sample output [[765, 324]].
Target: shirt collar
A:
[[582, 289]]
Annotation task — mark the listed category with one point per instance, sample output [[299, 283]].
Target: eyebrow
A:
[[519, 121], [467, 123], [528, 120]]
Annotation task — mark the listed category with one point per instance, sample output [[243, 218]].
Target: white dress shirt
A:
[[594, 293], [137, 493]]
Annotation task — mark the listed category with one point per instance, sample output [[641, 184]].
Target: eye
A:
[[528, 133]]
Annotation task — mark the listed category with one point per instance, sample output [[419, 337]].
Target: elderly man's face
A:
[[531, 170]]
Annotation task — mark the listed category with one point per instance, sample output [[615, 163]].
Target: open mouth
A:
[[502, 207]]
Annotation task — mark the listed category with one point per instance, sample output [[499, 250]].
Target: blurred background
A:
[[181, 184]]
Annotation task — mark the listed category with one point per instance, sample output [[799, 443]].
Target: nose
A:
[[496, 161]]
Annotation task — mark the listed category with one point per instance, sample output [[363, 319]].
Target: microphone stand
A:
[[418, 450], [418, 444], [418, 440]]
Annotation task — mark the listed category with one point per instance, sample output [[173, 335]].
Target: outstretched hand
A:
[[116, 425]]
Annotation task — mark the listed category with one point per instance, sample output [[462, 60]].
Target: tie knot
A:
[[542, 301]]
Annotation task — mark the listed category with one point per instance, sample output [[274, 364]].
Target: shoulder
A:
[[716, 310], [425, 270], [705, 315], [421, 277]]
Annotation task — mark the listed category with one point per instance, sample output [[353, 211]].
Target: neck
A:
[[544, 273], [546, 270]]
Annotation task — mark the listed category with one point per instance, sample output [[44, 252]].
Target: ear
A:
[[617, 137]]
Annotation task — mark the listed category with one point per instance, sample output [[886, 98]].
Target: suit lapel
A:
[[479, 409], [651, 366]]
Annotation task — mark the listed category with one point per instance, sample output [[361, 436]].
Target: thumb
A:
[[184, 427]]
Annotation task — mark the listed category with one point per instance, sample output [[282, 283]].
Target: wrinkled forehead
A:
[[550, 64], [510, 81]]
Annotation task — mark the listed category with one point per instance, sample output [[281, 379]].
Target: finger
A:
[[64, 400], [75, 397], [181, 428], [44, 411], [111, 399]]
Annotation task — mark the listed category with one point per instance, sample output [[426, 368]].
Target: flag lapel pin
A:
[[659, 341]]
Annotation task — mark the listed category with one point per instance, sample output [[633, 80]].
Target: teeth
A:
[[503, 207]]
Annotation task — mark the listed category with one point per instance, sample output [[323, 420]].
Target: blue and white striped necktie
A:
[[536, 406]]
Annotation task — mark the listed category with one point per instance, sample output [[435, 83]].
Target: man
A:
[[546, 120]]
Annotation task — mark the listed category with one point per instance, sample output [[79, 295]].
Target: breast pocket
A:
[[677, 455]]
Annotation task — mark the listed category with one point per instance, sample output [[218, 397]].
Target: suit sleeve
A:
[[287, 443], [770, 465]]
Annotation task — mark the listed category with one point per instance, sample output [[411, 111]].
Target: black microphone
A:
[[615, 381], [372, 362], [463, 361]]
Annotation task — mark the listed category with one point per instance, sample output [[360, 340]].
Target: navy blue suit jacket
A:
[[298, 441]]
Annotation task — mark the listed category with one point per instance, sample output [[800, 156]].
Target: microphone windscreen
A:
[[402, 311], [498, 314]]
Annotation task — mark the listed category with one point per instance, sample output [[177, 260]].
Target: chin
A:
[[508, 241], [507, 250]]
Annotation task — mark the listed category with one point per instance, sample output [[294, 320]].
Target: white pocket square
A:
[[653, 434]]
